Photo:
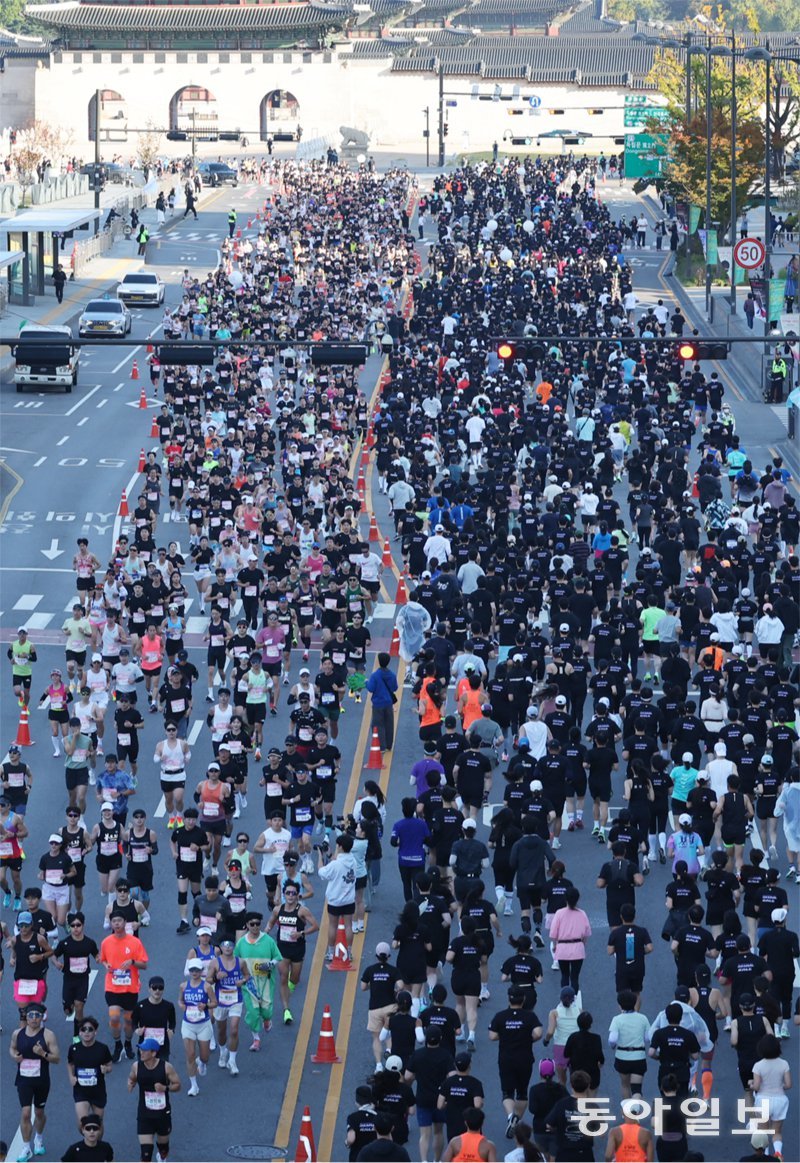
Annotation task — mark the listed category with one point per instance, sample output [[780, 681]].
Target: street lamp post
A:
[[427, 112]]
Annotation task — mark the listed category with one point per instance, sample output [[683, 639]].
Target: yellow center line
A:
[[316, 971], [18, 483]]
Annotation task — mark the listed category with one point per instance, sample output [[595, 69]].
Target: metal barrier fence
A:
[[88, 248]]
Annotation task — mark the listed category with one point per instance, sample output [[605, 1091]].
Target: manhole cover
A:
[[257, 1151]]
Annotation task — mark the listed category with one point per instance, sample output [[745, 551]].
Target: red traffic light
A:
[[687, 351], [505, 350]]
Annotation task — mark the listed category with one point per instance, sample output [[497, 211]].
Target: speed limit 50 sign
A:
[[749, 253]]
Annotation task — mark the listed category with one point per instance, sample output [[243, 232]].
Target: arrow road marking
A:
[[53, 552]]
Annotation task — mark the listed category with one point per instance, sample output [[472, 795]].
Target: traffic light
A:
[[692, 350], [445, 129], [506, 351], [12, 136], [181, 355], [350, 355]]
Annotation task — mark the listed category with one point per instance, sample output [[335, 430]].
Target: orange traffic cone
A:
[[239, 232], [150, 349], [364, 457], [402, 596], [341, 956], [124, 511], [143, 398], [249, 223], [394, 647], [135, 371], [154, 432], [141, 461], [370, 438], [373, 529], [326, 1043], [306, 1149], [23, 738], [375, 757], [361, 484], [387, 555]]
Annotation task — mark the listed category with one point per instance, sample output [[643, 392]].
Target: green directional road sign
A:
[[645, 154], [643, 114]]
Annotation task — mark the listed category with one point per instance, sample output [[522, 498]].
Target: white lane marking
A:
[[103, 403], [122, 362], [196, 624], [81, 423], [28, 602], [194, 732], [161, 810], [34, 569], [118, 520], [40, 461], [63, 440], [39, 621], [88, 396]]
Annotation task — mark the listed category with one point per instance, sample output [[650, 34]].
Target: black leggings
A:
[[570, 973], [659, 811], [408, 874]]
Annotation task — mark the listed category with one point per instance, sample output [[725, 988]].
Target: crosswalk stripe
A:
[[38, 621], [28, 602], [196, 625]]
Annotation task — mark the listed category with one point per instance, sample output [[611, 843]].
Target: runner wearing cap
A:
[[55, 870], [156, 1079], [92, 1148], [22, 654], [226, 976], [58, 697], [106, 837], [197, 1000], [34, 1049]]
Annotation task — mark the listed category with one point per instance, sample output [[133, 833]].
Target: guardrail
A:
[[88, 248]]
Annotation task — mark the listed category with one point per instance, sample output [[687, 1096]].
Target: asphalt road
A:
[[74, 455]]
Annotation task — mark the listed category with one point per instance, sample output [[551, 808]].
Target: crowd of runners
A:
[[603, 602]]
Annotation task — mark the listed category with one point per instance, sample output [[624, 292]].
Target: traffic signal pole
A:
[[96, 175]]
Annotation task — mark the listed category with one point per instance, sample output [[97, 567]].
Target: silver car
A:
[[105, 317]]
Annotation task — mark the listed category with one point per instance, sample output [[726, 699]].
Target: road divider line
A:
[[309, 1018], [194, 733], [81, 423], [63, 440], [40, 461], [122, 362], [334, 1096], [83, 400]]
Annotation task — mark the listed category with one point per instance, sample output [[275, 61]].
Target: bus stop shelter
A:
[[11, 265], [40, 235]]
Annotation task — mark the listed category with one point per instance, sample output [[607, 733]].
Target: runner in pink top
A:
[[569, 931]]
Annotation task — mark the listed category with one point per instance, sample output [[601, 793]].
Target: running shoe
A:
[[6, 900], [287, 1017]]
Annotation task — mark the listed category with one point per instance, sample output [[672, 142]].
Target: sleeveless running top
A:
[[630, 1150], [470, 1142]]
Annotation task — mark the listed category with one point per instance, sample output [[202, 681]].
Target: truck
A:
[[45, 356]]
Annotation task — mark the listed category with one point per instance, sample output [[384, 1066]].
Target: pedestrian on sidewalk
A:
[[171, 199], [641, 232], [660, 230], [59, 279], [142, 238], [743, 226], [161, 208], [749, 310], [790, 287]]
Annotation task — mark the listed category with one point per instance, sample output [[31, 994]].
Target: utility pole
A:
[[427, 112], [708, 172], [193, 116], [441, 114], [96, 180], [733, 171]]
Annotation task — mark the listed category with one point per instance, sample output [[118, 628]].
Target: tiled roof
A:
[[587, 18], [181, 17], [541, 59]]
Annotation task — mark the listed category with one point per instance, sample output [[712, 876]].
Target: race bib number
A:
[[154, 1101], [124, 739], [288, 933], [86, 1076], [188, 855], [16, 778], [54, 876], [139, 856], [30, 1068], [155, 1032], [121, 976], [228, 997], [79, 964], [274, 789], [211, 810], [328, 697], [211, 922], [195, 1014], [108, 848], [303, 815], [6, 849], [27, 988]]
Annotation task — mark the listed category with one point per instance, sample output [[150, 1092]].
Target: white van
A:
[[48, 359]]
